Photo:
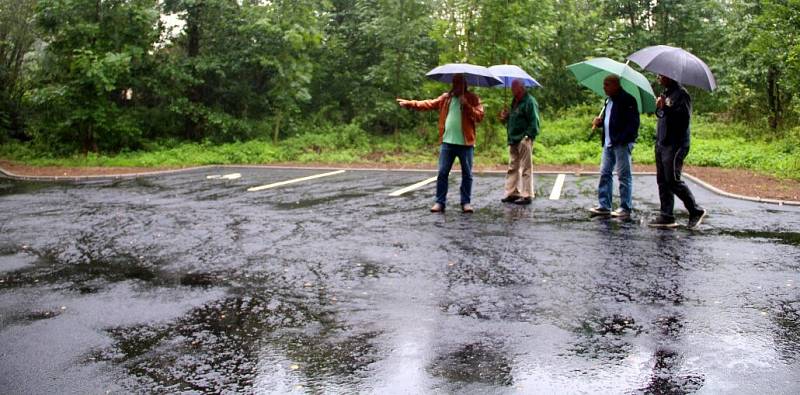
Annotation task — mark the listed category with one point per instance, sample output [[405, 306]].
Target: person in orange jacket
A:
[[459, 111]]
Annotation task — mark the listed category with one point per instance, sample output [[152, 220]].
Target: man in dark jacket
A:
[[674, 112], [620, 124]]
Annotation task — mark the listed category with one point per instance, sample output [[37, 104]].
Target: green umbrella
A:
[[592, 72]]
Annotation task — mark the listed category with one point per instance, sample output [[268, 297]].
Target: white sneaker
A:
[[620, 213]]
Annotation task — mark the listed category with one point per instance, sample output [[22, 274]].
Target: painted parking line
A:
[[555, 194], [413, 187], [296, 180], [232, 176]]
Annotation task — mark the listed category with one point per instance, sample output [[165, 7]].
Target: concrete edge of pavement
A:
[[11, 175]]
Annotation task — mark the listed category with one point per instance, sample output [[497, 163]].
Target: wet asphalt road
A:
[[179, 283]]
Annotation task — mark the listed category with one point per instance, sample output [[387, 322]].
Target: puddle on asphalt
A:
[[788, 238], [231, 336], [607, 337], [479, 362], [9, 187], [312, 295], [90, 274], [786, 317], [668, 378]]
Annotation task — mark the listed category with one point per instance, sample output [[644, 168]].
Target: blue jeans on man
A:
[[448, 155], [616, 157]]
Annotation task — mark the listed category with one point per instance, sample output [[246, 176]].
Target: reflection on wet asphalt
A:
[[180, 283]]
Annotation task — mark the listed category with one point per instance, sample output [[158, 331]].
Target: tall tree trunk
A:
[[773, 99], [194, 92], [277, 129], [632, 15]]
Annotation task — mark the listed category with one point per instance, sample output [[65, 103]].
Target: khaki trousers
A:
[[519, 180]]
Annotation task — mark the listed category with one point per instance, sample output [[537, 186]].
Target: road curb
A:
[[718, 191], [76, 179]]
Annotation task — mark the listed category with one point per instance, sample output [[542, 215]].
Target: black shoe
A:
[[696, 219], [523, 201], [663, 222], [509, 198], [599, 211]]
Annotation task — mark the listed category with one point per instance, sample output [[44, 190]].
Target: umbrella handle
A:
[[598, 116]]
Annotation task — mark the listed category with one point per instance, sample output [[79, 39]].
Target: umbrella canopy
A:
[[475, 75], [592, 72], [677, 64], [508, 73]]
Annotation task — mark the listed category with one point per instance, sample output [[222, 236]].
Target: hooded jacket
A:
[[673, 120]]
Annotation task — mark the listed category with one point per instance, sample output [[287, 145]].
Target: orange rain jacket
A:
[[471, 113]]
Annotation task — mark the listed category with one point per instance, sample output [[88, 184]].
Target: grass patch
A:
[[567, 139]]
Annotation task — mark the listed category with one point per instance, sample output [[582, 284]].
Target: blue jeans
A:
[[448, 155], [617, 157]]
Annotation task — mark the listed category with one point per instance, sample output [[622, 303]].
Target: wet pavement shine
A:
[[179, 283]]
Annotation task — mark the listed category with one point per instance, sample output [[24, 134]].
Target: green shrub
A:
[[567, 139]]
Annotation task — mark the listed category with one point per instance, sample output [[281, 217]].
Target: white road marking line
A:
[[287, 182], [413, 187], [556, 193], [232, 176]]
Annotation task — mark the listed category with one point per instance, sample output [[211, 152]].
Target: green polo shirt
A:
[[453, 134], [523, 119]]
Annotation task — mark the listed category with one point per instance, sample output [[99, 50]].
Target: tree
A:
[[375, 51], [240, 64], [89, 71], [575, 25], [17, 37], [775, 47]]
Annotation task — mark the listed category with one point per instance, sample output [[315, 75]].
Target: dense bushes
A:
[[564, 140]]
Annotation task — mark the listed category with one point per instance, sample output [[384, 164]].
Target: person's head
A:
[[518, 88], [665, 81], [611, 85], [459, 84]]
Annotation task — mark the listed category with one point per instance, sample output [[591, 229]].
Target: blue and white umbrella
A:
[[508, 73], [474, 75]]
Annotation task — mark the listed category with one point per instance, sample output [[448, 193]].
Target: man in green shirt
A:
[[459, 111], [522, 125]]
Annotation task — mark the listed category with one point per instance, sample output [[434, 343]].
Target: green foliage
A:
[[17, 37], [319, 78], [567, 139], [88, 68]]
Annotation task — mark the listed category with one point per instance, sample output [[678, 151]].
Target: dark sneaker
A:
[[437, 208], [467, 209], [509, 198], [696, 219], [621, 213], [599, 211], [523, 201], [663, 222]]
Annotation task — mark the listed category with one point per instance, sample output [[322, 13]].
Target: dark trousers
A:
[[448, 155], [669, 165]]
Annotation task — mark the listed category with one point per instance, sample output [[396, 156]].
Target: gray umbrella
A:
[[676, 63]]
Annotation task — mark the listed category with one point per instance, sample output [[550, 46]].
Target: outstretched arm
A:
[[422, 105]]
